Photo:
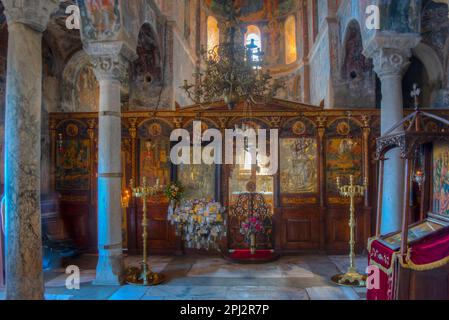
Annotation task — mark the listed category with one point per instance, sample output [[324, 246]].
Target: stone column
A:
[[26, 22], [391, 56], [110, 64]]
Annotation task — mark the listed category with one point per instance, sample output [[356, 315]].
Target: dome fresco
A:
[[255, 9]]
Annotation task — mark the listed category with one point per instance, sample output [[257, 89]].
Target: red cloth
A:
[[246, 254], [382, 256], [431, 249]]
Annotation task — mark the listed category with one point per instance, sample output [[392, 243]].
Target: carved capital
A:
[[33, 13], [110, 60], [178, 122], [391, 52]]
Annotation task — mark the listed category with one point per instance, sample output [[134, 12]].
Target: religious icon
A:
[[198, 180], [155, 129], [298, 165], [154, 164], [441, 178], [343, 128], [72, 165], [343, 158], [299, 128], [71, 130]]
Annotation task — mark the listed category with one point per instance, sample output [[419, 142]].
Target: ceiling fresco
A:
[[251, 10]]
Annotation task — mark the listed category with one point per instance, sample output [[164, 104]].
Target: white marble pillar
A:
[[391, 56], [110, 67], [23, 245]]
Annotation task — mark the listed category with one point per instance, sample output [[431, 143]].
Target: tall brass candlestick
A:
[[144, 276], [352, 277]]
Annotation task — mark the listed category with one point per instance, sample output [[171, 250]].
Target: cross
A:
[[416, 92]]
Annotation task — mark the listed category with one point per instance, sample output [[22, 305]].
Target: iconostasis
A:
[[315, 147]]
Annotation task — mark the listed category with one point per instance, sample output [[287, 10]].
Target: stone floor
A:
[[303, 277]]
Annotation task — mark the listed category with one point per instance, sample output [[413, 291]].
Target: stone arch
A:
[[147, 78], [431, 61], [417, 73], [145, 10], [353, 62], [356, 85]]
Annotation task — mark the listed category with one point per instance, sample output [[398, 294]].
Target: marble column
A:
[[23, 245], [391, 56], [110, 65]]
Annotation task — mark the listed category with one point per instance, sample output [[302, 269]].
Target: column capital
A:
[[34, 14], [110, 59], [391, 52]]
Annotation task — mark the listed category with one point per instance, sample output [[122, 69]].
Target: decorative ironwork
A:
[[251, 204], [233, 71]]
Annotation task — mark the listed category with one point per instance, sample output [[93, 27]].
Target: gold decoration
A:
[[72, 130], [144, 276], [352, 277], [299, 128]]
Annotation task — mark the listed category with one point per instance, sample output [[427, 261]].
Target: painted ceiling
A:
[[255, 9]]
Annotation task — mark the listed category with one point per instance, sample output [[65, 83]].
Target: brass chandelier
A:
[[232, 71]]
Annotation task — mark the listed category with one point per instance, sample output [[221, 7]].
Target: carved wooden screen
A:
[[73, 179], [314, 148]]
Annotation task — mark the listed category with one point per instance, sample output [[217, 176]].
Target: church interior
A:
[[224, 150]]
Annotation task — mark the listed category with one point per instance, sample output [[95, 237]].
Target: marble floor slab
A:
[[332, 293], [342, 263], [288, 267]]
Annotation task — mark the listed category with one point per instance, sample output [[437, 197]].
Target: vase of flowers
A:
[[174, 192], [250, 228]]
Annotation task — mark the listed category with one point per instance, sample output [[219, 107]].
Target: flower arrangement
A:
[[252, 225], [174, 191], [200, 223]]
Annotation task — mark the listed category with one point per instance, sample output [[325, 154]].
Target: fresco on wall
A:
[[343, 158], [441, 178], [355, 63], [101, 18], [87, 90], [400, 15], [435, 26], [72, 165], [298, 165]]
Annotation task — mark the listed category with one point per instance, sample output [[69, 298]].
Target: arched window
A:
[[290, 40], [213, 33], [253, 34]]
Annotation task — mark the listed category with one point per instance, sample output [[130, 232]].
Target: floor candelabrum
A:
[[144, 276], [351, 191]]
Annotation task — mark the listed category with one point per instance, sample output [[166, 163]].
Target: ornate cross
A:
[[416, 92]]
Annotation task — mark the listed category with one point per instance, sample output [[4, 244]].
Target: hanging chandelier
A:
[[232, 71]]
